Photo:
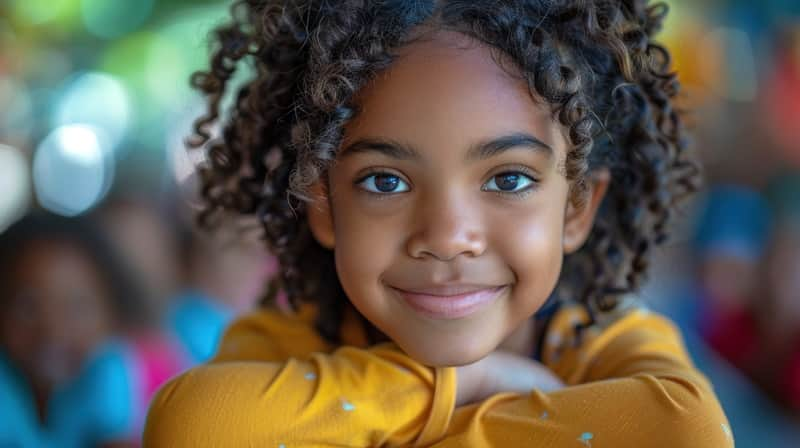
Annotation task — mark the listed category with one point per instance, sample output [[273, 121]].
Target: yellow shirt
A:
[[276, 383]]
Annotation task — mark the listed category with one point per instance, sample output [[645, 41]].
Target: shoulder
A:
[[269, 334], [102, 403], [17, 415], [573, 341], [639, 357]]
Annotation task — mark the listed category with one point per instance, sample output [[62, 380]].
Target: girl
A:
[[459, 194], [62, 299], [67, 377]]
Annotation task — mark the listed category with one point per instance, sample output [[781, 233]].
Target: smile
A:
[[450, 302]]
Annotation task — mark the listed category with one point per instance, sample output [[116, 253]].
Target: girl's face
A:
[[55, 313], [448, 211]]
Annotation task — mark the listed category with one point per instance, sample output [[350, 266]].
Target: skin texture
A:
[[446, 226], [57, 310]]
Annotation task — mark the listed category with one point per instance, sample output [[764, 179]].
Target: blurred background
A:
[[107, 290]]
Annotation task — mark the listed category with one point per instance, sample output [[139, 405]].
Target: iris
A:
[[507, 182], [386, 183]]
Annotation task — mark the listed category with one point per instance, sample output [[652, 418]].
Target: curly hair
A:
[[593, 63]]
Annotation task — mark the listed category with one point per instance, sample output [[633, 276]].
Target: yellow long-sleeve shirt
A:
[[276, 383]]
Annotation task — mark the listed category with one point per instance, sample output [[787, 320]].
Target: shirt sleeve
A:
[[629, 383], [348, 397]]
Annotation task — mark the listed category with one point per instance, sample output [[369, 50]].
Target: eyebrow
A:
[[387, 147], [479, 151], [490, 148]]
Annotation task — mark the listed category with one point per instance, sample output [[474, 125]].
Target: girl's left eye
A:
[[383, 183], [510, 182]]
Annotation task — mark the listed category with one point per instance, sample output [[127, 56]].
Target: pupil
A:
[[386, 183], [507, 182]]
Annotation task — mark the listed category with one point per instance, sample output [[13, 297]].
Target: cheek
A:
[[17, 336], [530, 242], [533, 248], [367, 243], [21, 318]]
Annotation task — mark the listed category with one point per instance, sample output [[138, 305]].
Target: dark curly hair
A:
[[594, 63]]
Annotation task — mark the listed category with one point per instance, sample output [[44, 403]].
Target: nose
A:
[[446, 227], [52, 329]]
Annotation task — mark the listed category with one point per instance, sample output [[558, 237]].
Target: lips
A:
[[449, 301]]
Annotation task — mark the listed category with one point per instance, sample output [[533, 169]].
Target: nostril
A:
[[444, 228], [446, 248]]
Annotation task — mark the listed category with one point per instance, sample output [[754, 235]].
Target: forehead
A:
[[51, 262], [447, 87]]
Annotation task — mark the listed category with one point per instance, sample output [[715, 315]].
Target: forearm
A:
[[644, 410], [631, 384], [352, 397]]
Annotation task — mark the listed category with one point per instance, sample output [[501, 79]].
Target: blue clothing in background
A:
[[99, 405], [198, 321], [733, 221]]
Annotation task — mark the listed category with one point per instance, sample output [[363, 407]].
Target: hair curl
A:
[[593, 62]]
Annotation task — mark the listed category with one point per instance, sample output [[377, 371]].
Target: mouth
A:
[[449, 301]]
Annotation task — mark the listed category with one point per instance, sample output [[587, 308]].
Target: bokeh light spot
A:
[[108, 20], [79, 144], [15, 185], [36, 12], [99, 100], [16, 121], [72, 171]]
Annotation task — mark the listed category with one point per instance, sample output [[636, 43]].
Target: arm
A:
[[324, 399], [275, 381], [271, 384], [631, 384]]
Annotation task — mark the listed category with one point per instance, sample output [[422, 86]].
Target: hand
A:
[[502, 371]]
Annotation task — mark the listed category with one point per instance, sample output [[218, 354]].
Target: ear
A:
[[579, 220], [320, 218]]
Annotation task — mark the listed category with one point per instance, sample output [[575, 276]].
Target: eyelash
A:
[[518, 170], [522, 171], [380, 195]]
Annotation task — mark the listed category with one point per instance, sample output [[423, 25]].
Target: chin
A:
[[443, 355]]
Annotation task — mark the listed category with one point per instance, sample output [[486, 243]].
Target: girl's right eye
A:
[[383, 183]]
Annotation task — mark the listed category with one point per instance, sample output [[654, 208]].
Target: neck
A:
[[41, 397]]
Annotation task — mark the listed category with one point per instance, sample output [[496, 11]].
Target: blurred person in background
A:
[[777, 367], [196, 283], [67, 376], [728, 247], [141, 230], [224, 276]]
